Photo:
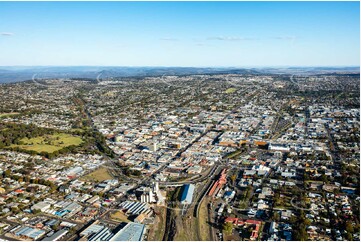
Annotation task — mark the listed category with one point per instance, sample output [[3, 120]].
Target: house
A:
[[250, 222], [286, 214]]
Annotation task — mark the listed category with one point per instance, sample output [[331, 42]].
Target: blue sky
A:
[[240, 34]]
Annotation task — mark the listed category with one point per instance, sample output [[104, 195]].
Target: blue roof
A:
[[187, 194], [228, 193]]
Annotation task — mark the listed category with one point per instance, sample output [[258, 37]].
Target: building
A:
[[56, 236], [247, 222], [42, 206], [130, 232], [26, 233], [279, 147], [187, 194], [135, 208], [148, 196], [153, 147], [194, 170], [219, 183], [103, 235], [92, 229]]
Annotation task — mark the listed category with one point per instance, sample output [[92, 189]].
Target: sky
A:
[[197, 34]]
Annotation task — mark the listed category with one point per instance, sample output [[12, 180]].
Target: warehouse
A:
[[131, 232], [187, 194], [56, 236], [26, 232]]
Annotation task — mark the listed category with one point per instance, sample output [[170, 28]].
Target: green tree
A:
[[349, 227], [7, 173], [228, 227]]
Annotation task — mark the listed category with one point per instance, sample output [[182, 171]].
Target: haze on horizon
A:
[[180, 34]]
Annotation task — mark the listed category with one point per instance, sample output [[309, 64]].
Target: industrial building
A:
[[135, 208], [103, 235], [98, 232], [187, 194], [130, 232], [26, 232], [56, 236]]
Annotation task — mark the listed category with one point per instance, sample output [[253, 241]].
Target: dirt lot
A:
[[98, 175], [157, 230], [119, 216]]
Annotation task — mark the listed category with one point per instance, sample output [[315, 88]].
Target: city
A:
[[224, 157], [179, 120]]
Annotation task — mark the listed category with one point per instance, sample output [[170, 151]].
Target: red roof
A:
[[252, 221], [231, 220]]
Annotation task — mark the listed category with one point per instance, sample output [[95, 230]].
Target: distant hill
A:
[[18, 73]]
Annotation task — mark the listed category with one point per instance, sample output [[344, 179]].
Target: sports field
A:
[[231, 90]]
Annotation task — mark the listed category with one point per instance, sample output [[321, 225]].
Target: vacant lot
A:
[[49, 143], [156, 233], [119, 216], [98, 175]]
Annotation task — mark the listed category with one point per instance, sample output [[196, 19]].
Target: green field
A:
[[49, 143], [231, 90]]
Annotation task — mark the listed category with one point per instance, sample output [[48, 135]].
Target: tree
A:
[[349, 227], [233, 178], [14, 209], [324, 178], [276, 216], [55, 227], [349, 237], [307, 222], [300, 234], [7, 173], [228, 227], [36, 211]]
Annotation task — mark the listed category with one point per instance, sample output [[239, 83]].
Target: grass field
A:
[[119, 216], [231, 90], [3, 115], [202, 221], [49, 143], [234, 154], [98, 175]]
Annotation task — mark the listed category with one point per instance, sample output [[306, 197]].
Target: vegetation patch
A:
[[202, 222], [231, 90], [119, 216], [48, 143], [51, 142], [5, 115], [98, 175]]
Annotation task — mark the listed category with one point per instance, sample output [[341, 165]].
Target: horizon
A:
[[141, 66], [180, 34]]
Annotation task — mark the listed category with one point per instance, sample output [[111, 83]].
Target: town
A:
[[215, 157]]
